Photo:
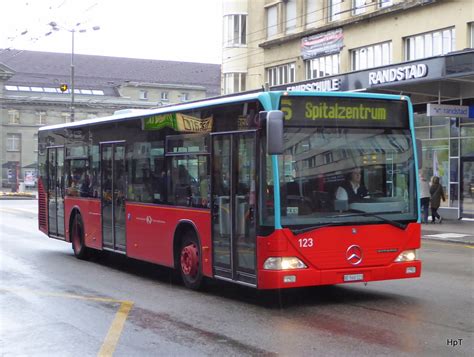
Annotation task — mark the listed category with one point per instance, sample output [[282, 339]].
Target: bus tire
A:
[[190, 263], [77, 238]]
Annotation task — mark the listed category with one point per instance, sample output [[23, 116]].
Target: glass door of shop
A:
[[467, 187]]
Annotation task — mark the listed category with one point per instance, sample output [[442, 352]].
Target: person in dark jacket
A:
[[425, 197], [437, 194]]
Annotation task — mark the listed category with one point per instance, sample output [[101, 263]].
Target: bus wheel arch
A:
[[77, 235], [188, 255]]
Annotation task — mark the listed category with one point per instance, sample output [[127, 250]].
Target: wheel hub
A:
[[190, 260]]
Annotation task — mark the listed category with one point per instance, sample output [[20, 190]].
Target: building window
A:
[[184, 97], [429, 44], [234, 82], [281, 74], [13, 142], [272, 21], [322, 66], [358, 7], [372, 56], [290, 16], [235, 30], [334, 10], [164, 95], [41, 116], [311, 12], [385, 3], [143, 94], [471, 33], [14, 116]]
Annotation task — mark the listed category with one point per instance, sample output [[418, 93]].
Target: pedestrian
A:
[[425, 197], [437, 193]]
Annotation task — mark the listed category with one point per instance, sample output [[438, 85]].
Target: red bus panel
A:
[[90, 210], [150, 231], [327, 255]]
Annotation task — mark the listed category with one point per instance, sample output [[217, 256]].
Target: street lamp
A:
[[73, 30]]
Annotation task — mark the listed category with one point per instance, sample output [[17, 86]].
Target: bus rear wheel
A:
[[77, 238], [190, 261]]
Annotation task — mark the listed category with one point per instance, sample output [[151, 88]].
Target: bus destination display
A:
[[344, 112]]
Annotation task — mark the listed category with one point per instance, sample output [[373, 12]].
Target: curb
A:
[[457, 241], [17, 198]]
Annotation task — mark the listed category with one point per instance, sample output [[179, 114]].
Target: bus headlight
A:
[[283, 263], [407, 256]]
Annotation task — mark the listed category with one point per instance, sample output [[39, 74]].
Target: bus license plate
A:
[[353, 277]]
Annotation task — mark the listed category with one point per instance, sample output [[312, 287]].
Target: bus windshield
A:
[[342, 175]]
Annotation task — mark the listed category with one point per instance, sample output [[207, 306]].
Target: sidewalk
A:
[[457, 231]]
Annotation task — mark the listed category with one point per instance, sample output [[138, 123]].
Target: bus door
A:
[[56, 191], [233, 185], [113, 183]]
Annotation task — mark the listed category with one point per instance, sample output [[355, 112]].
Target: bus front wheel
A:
[[190, 261], [77, 238]]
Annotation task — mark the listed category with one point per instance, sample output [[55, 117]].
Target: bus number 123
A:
[[305, 242]]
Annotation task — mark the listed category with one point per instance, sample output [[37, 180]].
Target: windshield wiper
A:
[[359, 213], [356, 213], [307, 229]]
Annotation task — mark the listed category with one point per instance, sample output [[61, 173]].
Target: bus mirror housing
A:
[[419, 153], [274, 125]]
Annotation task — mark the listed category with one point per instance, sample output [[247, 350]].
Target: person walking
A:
[[437, 193], [425, 197]]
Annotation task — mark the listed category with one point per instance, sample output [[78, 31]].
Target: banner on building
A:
[[322, 44]]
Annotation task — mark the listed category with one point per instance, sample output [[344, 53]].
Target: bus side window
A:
[[190, 181]]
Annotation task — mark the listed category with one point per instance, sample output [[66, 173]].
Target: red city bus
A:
[[270, 190]]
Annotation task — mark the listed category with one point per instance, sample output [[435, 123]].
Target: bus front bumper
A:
[[282, 279]]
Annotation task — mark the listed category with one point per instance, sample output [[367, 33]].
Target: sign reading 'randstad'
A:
[[443, 110], [403, 73]]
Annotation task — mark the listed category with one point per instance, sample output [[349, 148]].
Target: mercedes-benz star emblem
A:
[[354, 255]]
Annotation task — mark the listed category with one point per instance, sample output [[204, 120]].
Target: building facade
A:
[[420, 48], [35, 90]]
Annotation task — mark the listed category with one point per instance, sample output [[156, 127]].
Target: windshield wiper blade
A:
[[322, 225], [359, 213]]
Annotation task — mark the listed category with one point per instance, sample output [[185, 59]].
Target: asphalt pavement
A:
[[453, 230]]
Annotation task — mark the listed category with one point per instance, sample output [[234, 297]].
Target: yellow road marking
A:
[[115, 330]]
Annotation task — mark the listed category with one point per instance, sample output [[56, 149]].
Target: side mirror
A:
[[275, 132], [419, 153]]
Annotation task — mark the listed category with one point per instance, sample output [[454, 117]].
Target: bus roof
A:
[[265, 98]]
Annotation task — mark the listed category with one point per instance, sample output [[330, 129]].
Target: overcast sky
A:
[[181, 30]]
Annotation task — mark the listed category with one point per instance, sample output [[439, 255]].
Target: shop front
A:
[[442, 91]]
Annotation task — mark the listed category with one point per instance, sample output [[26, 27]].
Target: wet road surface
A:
[[53, 304]]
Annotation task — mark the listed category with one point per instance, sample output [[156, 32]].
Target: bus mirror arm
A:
[[274, 128]]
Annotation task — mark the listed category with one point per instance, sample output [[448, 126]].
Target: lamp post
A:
[[73, 30]]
